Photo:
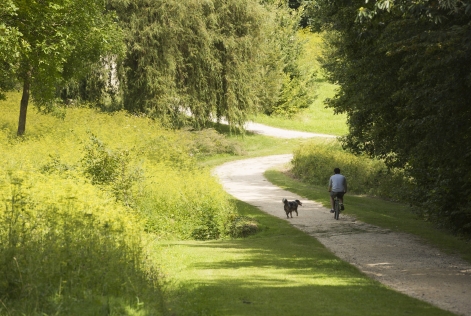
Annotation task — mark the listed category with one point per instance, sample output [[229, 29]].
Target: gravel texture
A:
[[400, 261]]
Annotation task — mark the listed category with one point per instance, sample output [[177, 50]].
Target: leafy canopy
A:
[[403, 68], [211, 59], [50, 41]]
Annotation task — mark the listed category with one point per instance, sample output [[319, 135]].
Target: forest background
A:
[[165, 70]]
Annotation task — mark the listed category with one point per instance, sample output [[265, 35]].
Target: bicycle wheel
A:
[[336, 209]]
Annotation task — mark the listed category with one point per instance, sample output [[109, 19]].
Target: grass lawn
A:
[[252, 145], [280, 271], [315, 119]]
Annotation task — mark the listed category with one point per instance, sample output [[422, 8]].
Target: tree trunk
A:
[[24, 104]]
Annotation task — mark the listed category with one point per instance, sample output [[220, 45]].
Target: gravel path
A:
[[397, 260]]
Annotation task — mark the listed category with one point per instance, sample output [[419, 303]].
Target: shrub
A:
[[209, 142], [106, 167], [243, 226], [68, 247], [81, 199], [314, 163], [184, 204]]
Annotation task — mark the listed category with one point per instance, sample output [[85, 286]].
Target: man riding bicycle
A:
[[337, 187]]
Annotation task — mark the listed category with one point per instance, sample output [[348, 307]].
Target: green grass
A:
[[252, 145], [394, 216], [280, 271], [315, 119]]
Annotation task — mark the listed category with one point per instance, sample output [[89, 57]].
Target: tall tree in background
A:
[[288, 87], [54, 40], [404, 68], [9, 47], [213, 59], [193, 56]]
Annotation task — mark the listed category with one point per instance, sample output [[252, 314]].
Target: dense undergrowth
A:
[[314, 162], [82, 199]]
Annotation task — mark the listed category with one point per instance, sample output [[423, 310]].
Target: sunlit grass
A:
[[280, 271], [316, 118]]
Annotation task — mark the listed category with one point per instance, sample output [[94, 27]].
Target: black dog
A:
[[291, 206]]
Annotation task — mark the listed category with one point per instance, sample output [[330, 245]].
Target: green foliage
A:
[[45, 43], [316, 118], [192, 56], [99, 87], [105, 167], [288, 83], [211, 59], [244, 226], [314, 163], [208, 142], [402, 69], [185, 204], [68, 248], [9, 46], [83, 197]]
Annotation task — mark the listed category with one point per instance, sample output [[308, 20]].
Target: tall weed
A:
[[83, 196], [314, 163], [68, 247], [185, 205]]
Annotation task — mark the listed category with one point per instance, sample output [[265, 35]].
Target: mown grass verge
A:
[[251, 145], [316, 118], [279, 271], [394, 216]]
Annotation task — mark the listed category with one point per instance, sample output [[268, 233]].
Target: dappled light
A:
[[253, 271]]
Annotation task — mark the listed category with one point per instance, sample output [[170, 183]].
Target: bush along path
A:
[[398, 260]]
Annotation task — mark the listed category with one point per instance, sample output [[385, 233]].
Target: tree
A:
[[211, 59], [404, 70], [192, 57], [55, 40], [9, 46], [291, 84]]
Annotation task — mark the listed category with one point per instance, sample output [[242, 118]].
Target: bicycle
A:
[[336, 207]]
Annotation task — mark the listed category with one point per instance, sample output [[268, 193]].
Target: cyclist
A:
[[337, 187]]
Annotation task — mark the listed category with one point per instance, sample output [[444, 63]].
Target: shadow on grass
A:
[[280, 271]]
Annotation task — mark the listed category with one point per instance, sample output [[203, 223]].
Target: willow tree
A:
[[54, 40], [213, 59]]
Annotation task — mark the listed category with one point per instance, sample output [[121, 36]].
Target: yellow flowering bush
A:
[[314, 163], [82, 196]]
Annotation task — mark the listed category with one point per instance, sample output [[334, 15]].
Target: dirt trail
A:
[[397, 260]]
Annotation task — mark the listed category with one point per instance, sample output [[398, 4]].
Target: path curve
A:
[[281, 133], [398, 260]]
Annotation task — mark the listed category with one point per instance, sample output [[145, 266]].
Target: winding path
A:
[[397, 260]]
